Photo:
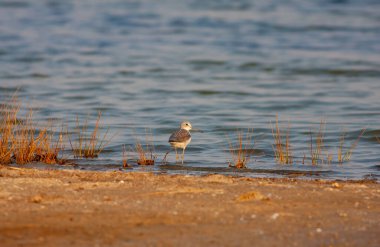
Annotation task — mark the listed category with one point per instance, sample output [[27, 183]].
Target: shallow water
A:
[[223, 65]]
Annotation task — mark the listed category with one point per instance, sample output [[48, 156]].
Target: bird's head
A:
[[186, 125]]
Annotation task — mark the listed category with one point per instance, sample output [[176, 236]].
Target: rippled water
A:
[[223, 65]]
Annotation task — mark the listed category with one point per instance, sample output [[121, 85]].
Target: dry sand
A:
[[77, 208]]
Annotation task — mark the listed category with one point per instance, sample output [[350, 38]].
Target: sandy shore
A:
[[77, 208]]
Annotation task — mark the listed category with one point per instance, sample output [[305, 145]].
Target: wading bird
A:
[[181, 138]]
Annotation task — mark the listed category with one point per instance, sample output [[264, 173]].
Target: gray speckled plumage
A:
[[180, 135], [181, 138]]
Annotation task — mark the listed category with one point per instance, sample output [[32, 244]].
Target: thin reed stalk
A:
[[241, 150], [8, 121], [48, 148], [316, 150], [125, 158], [145, 152], [282, 149], [344, 156], [88, 145], [24, 140], [33, 145]]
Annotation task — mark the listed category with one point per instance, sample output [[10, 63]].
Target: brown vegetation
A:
[[145, 152], [344, 156], [125, 158], [318, 152], [316, 155], [241, 151], [282, 151], [21, 141], [8, 113], [88, 144]]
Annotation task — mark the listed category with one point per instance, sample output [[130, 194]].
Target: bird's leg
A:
[[176, 155], [183, 155]]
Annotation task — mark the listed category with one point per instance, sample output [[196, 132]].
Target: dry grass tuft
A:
[[8, 114], [125, 158], [20, 140], [88, 144], [145, 152], [241, 151], [344, 156], [48, 147], [25, 141], [282, 151], [164, 160], [317, 149]]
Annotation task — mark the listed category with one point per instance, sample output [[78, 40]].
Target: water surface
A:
[[223, 65]]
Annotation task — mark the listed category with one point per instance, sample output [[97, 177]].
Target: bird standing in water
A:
[[181, 138]]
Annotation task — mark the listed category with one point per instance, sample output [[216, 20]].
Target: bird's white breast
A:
[[180, 144]]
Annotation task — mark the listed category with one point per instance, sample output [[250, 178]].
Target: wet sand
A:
[[78, 208]]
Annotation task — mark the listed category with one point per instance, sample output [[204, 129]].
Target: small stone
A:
[[336, 185], [36, 199], [107, 198], [275, 216], [319, 230], [342, 214]]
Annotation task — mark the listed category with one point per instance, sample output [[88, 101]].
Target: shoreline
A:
[[200, 171], [75, 207]]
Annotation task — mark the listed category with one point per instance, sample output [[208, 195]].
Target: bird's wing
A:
[[180, 135]]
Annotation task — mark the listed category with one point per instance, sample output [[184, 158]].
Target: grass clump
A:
[[88, 144], [282, 148], [25, 141], [21, 142], [8, 114], [344, 156], [316, 150], [145, 152], [49, 147], [32, 145], [241, 150]]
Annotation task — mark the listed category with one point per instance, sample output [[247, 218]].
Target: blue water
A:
[[223, 65]]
